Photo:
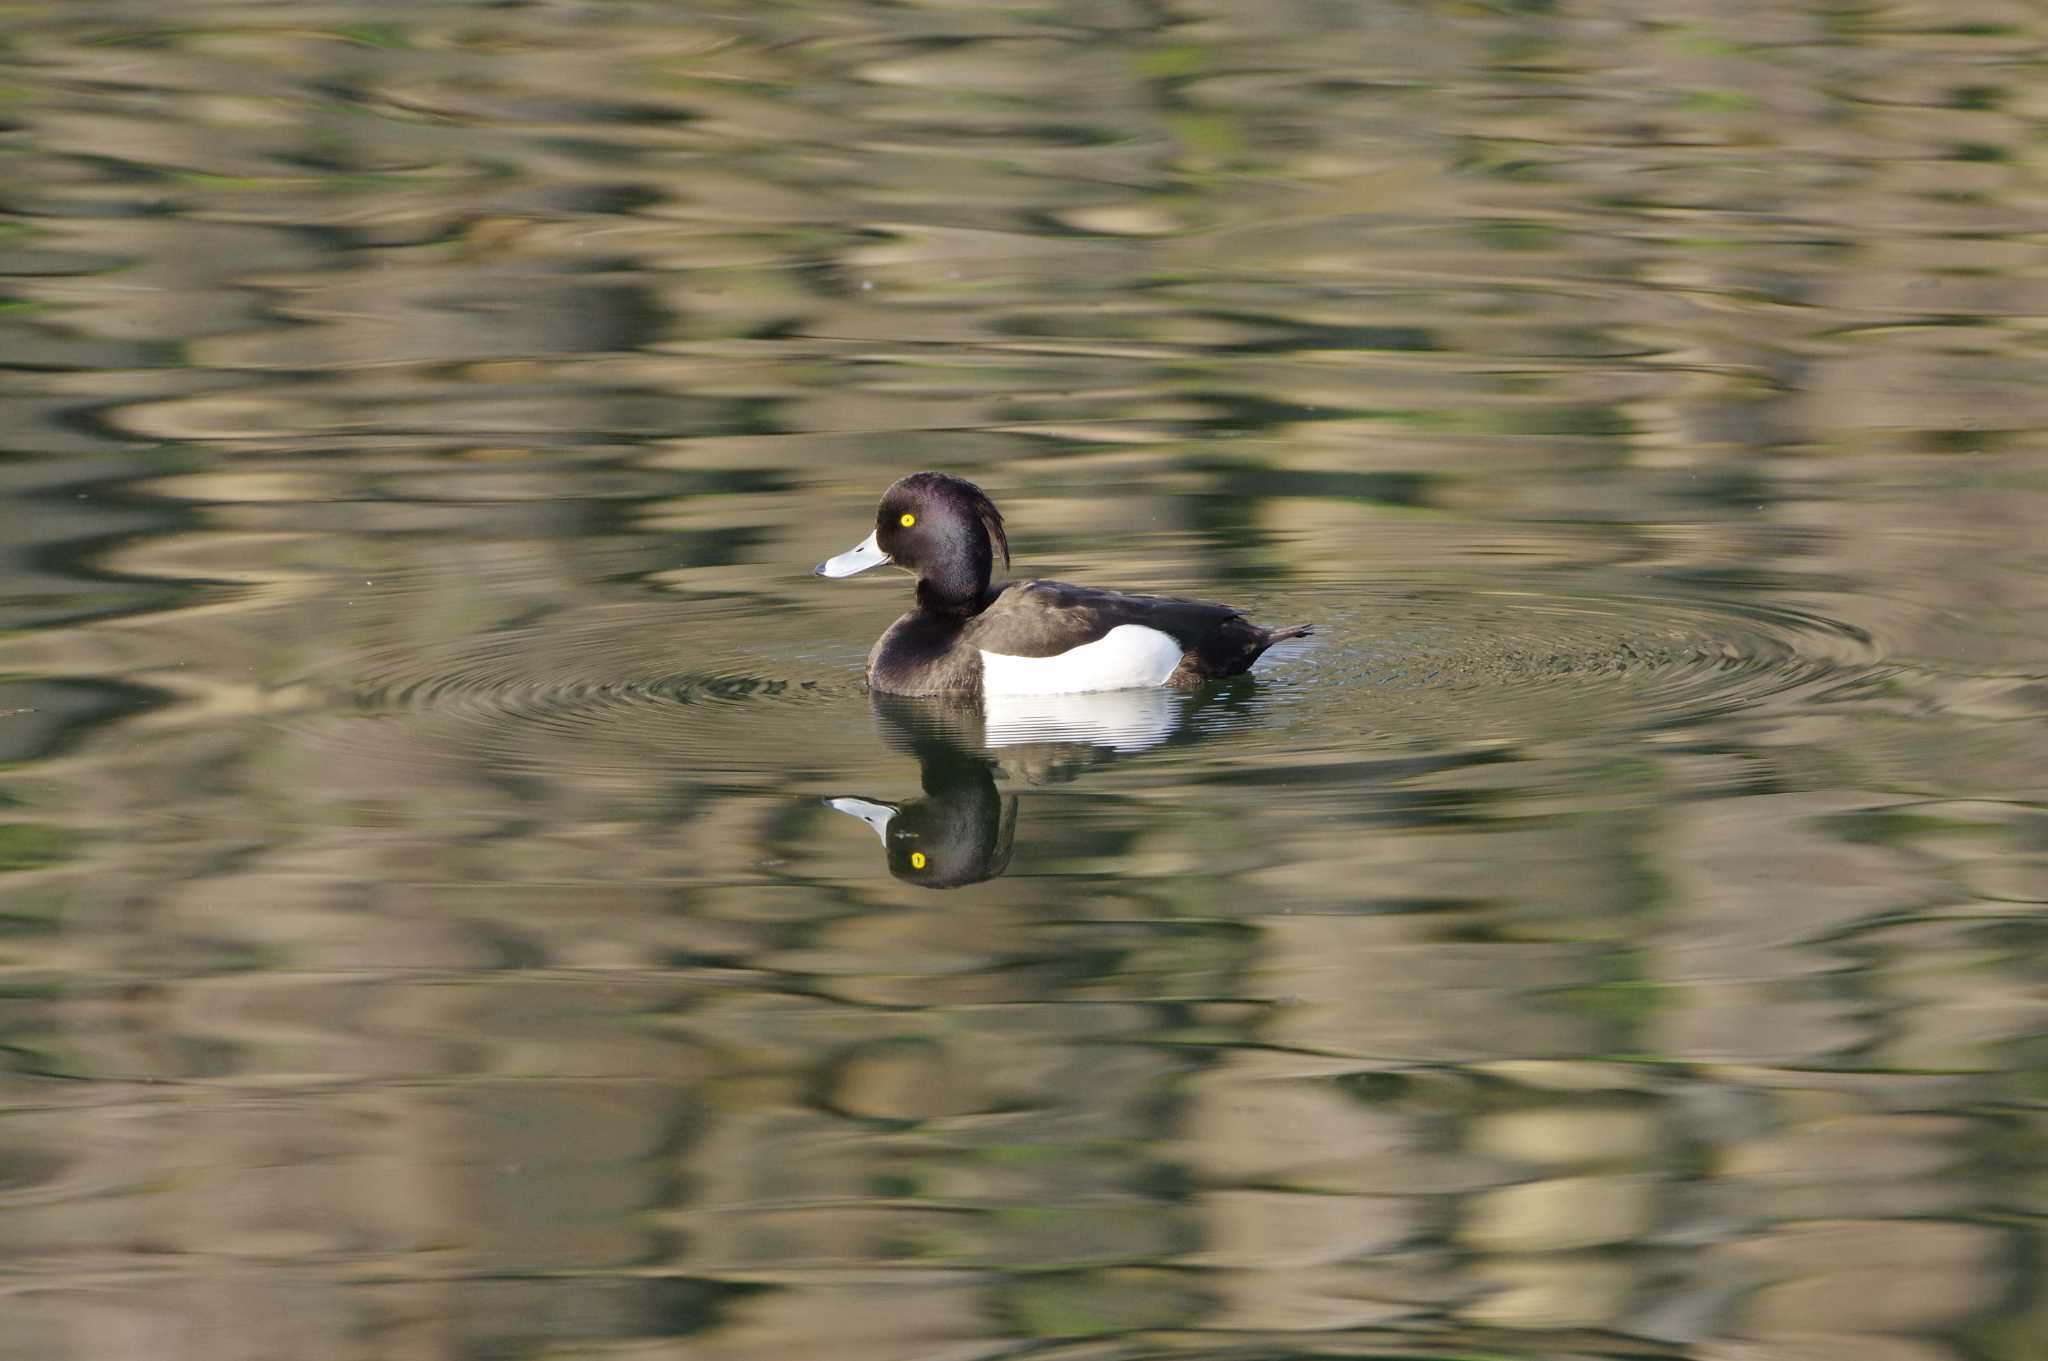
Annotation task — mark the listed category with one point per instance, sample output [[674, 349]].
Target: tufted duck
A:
[[1029, 637]]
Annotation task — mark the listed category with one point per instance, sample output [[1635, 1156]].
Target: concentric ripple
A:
[[1444, 663], [734, 696], [639, 688]]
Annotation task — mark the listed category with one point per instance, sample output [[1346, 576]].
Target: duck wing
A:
[[1047, 618]]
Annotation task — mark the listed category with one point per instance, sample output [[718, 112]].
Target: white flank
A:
[[1128, 657], [1122, 720]]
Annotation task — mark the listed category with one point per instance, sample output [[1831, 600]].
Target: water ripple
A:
[[1519, 666], [626, 686], [636, 685]]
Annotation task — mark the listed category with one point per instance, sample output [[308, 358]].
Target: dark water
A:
[[425, 927]]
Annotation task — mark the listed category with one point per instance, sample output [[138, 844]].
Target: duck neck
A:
[[935, 599], [958, 587]]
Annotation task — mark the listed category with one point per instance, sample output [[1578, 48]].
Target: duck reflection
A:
[[962, 830]]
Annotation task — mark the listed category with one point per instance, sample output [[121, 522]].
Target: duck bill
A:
[[875, 815], [863, 555]]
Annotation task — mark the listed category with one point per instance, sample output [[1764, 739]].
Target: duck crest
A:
[[992, 521]]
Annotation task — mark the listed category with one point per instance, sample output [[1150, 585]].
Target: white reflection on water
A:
[[1120, 720]]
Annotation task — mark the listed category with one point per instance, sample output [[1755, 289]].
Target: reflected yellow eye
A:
[[907, 520], [916, 857]]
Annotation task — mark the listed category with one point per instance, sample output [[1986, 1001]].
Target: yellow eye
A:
[[907, 520], [916, 857]]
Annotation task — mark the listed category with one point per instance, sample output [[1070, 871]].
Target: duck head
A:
[[944, 531]]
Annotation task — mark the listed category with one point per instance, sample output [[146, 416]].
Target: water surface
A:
[[457, 900]]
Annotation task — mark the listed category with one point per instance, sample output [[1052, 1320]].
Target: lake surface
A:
[[458, 901]]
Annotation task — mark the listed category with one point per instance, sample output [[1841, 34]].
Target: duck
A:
[[963, 637]]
